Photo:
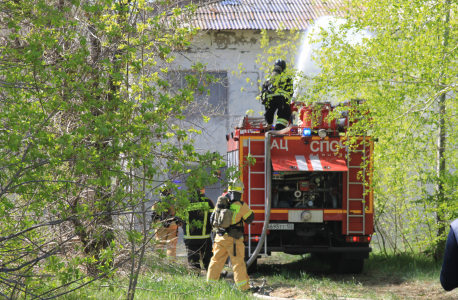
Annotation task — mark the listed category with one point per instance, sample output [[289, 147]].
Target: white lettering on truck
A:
[[315, 146], [334, 149], [274, 144], [325, 146], [312, 148], [283, 147], [286, 145]]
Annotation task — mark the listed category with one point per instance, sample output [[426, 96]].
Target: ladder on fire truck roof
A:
[[248, 122], [362, 200], [253, 206]]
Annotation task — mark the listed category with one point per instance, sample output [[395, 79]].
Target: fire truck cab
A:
[[318, 186]]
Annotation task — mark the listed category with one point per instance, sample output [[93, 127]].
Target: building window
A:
[[214, 97]]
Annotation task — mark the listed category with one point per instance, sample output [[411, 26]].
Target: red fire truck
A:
[[308, 186]]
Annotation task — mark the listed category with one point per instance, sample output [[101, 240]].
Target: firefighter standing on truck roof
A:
[[276, 95], [166, 224], [229, 240], [198, 238]]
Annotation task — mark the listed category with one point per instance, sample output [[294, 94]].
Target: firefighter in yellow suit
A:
[[226, 244], [166, 226]]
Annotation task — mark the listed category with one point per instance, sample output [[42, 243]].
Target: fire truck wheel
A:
[[321, 257], [350, 266], [253, 268], [331, 259]]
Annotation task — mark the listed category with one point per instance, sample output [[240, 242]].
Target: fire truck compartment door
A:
[[308, 163]]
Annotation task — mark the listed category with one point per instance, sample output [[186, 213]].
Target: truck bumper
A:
[[349, 252]]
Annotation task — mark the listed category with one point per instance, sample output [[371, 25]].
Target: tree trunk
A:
[[440, 158], [440, 169]]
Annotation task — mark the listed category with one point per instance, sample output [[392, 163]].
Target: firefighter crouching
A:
[[198, 238], [228, 220], [276, 95], [166, 225]]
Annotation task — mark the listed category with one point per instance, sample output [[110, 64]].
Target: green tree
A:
[[89, 129], [405, 69]]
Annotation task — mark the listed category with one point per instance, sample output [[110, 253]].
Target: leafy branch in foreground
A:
[[401, 58], [91, 125]]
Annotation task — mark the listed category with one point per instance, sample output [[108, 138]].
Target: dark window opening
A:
[[212, 98]]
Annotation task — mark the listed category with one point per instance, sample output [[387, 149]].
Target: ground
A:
[[395, 277]]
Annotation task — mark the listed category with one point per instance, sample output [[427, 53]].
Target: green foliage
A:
[[280, 44], [90, 127], [404, 66]]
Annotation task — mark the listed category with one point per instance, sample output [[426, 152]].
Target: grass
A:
[[161, 283], [393, 277], [405, 266]]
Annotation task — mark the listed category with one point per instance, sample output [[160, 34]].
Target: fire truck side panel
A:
[[304, 163], [232, 145], [355, 175], [344, 191], [332, 216], [257, 197], [356, 224], [256, 147], [369, 223], [321, 201], [256, 228], [259, 165]]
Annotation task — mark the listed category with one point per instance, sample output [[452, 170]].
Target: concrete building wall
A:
[[225, 51]]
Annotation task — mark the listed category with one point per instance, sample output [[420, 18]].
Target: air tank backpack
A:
[[267, 88], [223, 214]]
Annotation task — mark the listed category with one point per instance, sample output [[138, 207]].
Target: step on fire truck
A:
[[316, 186]]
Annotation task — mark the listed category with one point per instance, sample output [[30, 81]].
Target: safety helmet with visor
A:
[[281, 63], [236, 186]]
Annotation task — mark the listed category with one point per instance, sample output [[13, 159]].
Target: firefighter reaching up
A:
[[228, 220], [276, 95], [166, 224]]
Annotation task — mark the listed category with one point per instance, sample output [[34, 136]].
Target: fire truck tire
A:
[[350, 266], [331, 259], [321, 257]]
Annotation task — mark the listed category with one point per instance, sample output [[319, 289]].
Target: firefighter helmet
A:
[[236, 186], [165, 191], [281, 63]]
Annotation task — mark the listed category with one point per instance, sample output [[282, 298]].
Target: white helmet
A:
[[236, 186]]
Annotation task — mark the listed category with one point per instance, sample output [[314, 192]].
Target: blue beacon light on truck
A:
[[306, 132]]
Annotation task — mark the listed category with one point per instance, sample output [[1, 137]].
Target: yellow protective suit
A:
[[168, 239], [224, 246]]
